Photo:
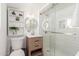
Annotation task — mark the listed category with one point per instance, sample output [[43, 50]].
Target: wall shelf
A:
[[15, 19]]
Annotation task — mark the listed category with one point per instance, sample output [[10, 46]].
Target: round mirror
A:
[[31, 24]]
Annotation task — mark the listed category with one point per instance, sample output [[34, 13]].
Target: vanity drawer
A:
[[35, 43]]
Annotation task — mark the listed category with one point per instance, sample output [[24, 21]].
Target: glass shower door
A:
[[59, 37], [64, 34], [49, 44]]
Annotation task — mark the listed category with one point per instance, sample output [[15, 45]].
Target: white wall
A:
[[3, 30], [0, 17]]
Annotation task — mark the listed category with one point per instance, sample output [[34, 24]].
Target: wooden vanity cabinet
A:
[[34, 46]]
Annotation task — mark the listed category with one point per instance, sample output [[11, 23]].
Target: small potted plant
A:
[[14, 29], [17, 18]]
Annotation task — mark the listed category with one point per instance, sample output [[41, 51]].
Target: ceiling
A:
[[26, 5]]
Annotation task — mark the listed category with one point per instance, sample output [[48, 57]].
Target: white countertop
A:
[[34, 36]]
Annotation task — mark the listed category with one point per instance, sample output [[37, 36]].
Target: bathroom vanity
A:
[[34, 45]]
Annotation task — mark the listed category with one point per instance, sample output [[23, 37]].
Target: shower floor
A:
[[59, 53]]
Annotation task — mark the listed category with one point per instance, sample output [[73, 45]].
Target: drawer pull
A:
[[36, 45], [36, 40]]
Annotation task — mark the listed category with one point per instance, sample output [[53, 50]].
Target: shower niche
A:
[[15, 22]]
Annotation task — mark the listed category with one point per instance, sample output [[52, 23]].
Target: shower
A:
[[60, 39]]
